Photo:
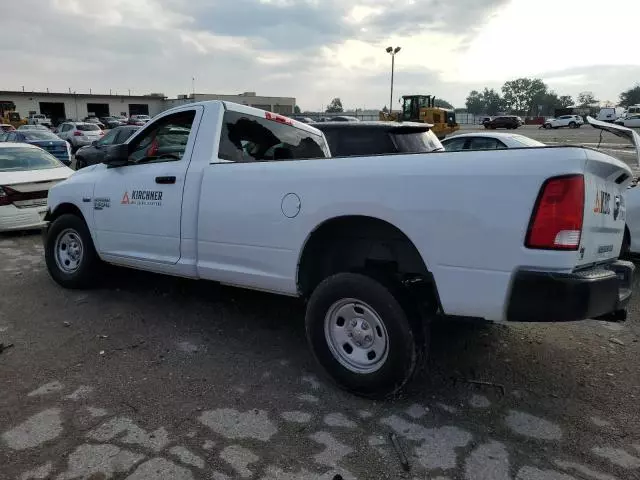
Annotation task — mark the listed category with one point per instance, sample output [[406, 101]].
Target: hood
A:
[[29, 176], [619, 131]]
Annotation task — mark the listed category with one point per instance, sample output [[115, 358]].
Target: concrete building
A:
[[76, 106], [283, 105]]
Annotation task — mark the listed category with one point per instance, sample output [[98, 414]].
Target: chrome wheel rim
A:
[[356, 336], [68, 250]]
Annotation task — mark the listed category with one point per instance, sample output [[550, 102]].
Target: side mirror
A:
[[117, 156]]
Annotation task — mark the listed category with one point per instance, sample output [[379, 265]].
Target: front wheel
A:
[[573, 125], [361, 334], [69, 253], [80, 163], [547, 126]]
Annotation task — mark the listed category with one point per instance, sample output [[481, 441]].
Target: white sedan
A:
[[27, 173], [571, 121], [632, 121], [488, 141]]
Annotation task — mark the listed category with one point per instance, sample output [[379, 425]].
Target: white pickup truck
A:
[[39, 119], [377, 245]]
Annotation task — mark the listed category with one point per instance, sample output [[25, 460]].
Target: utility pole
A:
[[392, 51]]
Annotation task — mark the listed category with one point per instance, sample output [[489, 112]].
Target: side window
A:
[[12, 137], [483, 143], [246, 138], [454, 145], [109, 138], [67, 127], [123, 135], [164, 140]]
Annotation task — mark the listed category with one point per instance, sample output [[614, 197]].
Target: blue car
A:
[[44, 139]]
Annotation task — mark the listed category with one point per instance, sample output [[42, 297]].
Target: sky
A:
[[316, 50]]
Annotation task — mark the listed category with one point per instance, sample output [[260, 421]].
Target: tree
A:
[[630, 97], [565, 101], [475, 102], [297, 110], [385, 109], [520, 94], [586, 99], [335, 106], [487, 101], [439, 102], [493, 102]]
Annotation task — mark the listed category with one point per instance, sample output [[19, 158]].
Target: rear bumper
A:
[[556, 297], [12, 218]]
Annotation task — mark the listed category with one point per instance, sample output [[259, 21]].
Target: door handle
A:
[[165, 180]]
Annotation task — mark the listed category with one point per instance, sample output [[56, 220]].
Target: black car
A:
[[94, 153], [507, 121], [111, 122], [347, 139]]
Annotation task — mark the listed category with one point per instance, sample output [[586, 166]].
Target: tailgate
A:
[[605, 182]]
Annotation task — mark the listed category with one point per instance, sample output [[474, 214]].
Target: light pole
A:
[[392, 51]]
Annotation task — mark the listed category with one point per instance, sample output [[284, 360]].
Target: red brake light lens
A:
[[278, 118], [77, 133], [556, 222]]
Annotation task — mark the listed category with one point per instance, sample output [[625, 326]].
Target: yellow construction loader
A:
[[421, 108], [9, 116]]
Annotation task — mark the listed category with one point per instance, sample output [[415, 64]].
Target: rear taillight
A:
[[77, 133], [4, 197], [556, 222]]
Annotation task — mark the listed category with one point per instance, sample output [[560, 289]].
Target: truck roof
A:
[[256, 112]]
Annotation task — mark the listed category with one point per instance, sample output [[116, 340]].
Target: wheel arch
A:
[[354, 243], [63, 209]]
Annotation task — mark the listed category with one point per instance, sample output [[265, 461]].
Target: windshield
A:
[[416, 142], [35, 135], [21, 158], [87, 127]]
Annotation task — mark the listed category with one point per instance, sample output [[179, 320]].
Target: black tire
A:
[[404, 328], [80, 163], [487, 127], [547, 126], [573, 124], [88, 268]]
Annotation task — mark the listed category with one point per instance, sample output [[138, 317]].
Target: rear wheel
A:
[[364, 334], [80, 163], [69, 253]]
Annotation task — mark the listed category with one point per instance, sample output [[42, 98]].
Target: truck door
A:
[[137, 207]]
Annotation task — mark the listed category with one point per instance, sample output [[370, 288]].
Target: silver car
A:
[[79, 134]]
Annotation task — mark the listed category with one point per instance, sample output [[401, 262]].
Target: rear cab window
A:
[[247, 138]]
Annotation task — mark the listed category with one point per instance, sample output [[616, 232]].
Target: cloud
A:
[[311, 49]]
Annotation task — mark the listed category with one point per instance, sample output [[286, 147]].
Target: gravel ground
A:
[[152, 377]]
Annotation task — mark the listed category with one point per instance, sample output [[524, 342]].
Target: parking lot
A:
[[153, 377]]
